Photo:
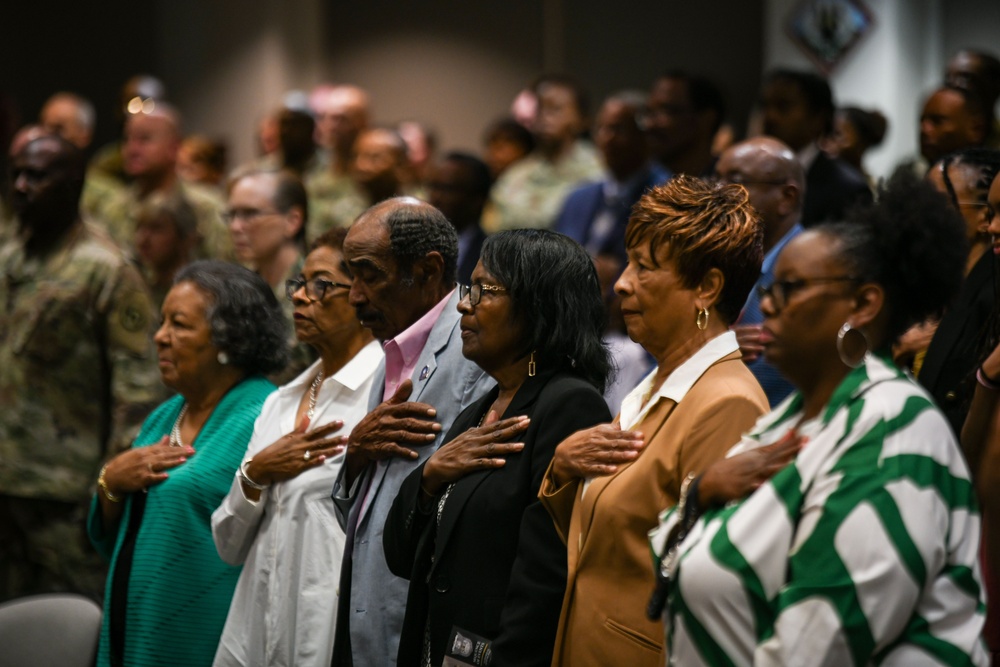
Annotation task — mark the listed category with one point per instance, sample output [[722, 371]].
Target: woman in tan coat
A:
[[694, 252]]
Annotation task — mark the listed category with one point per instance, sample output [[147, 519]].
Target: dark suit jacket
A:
[[582, 206], [370, 606], [467, 261], [832, 187], [954, 352], [499, 567]]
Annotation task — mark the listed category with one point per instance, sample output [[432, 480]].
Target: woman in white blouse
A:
[[278, 520]]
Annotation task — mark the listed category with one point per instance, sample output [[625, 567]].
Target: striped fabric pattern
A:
[[179, 589], [860, 552]]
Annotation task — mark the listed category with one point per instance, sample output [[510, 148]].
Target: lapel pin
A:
[[423, 373]]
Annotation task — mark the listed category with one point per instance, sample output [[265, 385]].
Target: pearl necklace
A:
[[175, 432], [313, 393]]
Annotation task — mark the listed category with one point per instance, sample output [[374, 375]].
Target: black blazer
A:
[[832, 187], [499, 567], [950, 363]]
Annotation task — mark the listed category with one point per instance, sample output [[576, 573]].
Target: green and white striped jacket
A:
[[861, 551]]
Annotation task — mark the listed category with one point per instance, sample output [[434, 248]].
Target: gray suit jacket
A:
[[373, 600]]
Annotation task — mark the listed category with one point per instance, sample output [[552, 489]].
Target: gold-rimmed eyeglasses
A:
[[475, 292]]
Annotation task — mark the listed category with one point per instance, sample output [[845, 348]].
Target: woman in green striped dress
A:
[[861, 548]]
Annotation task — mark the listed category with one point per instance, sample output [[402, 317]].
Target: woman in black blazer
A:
[[467, 529]]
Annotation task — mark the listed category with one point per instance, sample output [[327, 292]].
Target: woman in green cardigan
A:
[[168, 591]]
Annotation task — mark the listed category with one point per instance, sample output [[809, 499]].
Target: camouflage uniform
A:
[[532, 191], [117, 214], [334, 201], [77, 378], [108, 162], [100, 191], [8, 222]]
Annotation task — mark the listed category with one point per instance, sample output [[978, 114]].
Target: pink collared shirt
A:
[[402, 352]]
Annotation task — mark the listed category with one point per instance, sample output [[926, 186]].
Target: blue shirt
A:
[[774, 384]]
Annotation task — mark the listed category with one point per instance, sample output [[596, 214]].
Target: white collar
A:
[[678, 383], [351, 375]]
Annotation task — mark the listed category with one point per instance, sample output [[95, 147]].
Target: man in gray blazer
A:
[[402, 255]]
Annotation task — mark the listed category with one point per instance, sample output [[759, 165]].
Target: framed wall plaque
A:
[[826, 30]]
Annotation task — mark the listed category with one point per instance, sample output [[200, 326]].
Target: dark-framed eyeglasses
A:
[[780, 291], [475, 292], [977, 204], [316, 288]]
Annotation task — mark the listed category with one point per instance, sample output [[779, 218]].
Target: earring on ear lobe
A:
[[701, 319], [851, 361], [531, 365], [222, 358]]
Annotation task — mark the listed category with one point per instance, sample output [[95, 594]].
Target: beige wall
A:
[[455, 65]]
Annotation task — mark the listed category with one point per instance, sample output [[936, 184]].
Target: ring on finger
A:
[[150, 466], [307, 455]]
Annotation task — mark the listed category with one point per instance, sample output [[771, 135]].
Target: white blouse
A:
[[290, 542]]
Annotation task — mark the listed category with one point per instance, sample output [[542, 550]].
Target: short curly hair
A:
[[245, 317], [912, 243], [418, 229], [704, 225]]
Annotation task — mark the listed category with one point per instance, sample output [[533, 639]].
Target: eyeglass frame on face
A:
[[315, 288], [978, 204], [474, 292], [786, 288], [246, 214]]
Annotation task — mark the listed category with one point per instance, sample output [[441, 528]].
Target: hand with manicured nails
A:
[[736, 477], [477, 449], [139, 468], [285, 458], [595, 452], [391, 429]]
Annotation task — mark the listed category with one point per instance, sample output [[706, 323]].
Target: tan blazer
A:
[[610, 578]]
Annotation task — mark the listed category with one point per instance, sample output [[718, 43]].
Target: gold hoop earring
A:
[[701, 319], [531, 365]]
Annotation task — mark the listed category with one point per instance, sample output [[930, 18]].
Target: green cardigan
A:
[[179, 589]]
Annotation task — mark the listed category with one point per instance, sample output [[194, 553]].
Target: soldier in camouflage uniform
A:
[[152, 141], [335, 200], [77, 373], [531, 192]]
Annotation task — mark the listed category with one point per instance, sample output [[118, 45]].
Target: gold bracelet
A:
[[104, 486]]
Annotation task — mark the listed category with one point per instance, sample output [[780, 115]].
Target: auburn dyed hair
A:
[[703, 225]]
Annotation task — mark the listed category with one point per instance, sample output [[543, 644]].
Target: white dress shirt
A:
[[290, 542]]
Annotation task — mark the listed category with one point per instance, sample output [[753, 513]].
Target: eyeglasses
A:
[[475, 292], [740, 179], [977, 204], [780, 291], [316, 288], [246, 214]]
